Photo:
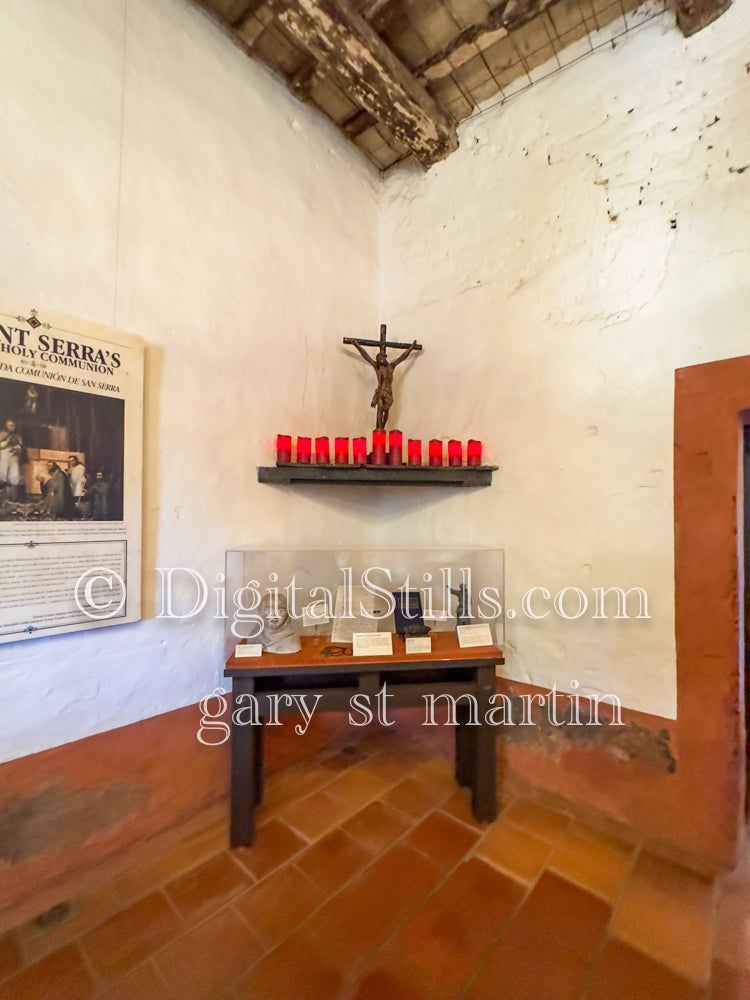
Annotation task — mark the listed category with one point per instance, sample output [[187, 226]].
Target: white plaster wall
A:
[[155, 180], [540, 268]]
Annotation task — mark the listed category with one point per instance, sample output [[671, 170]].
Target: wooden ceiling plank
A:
[[506, 16], [358, 123], [434, 25], [282, 53], [401, 38], [492, 23], [356, 58], [468, 12], [248, 11], [331, 99], [254, 26]]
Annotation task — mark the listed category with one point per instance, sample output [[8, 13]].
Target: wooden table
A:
[[331, 672]]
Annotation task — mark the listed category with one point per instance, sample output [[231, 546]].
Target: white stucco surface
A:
[[157, 181], [588, 238]]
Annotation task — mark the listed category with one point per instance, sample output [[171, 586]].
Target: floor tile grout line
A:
[[186, 932], [482, 961], [317, 761], [516, 875], [397, 930], [104, 981], [398, 840], [632, 848], [158, 973], [406, 833], [292, 861], [301, 850], [264, 950], [311, 843], [104, 985], [128, 900], [638, 850], [89, 958], [634, 859], [379, 854], [378, 797], [335, 776], [471, 853], [338, 776], [190, 921], [163, 892], [87, 963], [76, 938], [594, 961], [325, 833], [529, 889]]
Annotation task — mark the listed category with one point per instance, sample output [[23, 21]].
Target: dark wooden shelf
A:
[[293, 474]]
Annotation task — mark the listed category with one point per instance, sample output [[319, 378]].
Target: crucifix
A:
[[383, 398]]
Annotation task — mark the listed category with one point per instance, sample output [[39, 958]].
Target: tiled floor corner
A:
[[370, 880]]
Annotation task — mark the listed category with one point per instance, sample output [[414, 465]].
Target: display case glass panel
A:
[[336, 592]]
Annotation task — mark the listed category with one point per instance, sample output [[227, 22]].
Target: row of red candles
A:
[[380, 456]]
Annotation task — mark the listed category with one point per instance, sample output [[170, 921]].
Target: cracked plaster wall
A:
[[586, 240]]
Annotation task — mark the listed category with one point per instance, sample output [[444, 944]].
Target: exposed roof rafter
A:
[[397, 75], [366, 69]]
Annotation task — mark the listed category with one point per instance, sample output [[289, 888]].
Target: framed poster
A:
[[71, 441]]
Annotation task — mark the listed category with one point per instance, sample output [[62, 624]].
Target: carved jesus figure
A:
[[383, 397]]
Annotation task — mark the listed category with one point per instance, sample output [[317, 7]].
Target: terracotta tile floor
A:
[[370, 880]]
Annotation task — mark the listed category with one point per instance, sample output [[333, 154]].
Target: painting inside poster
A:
[[50, 430]]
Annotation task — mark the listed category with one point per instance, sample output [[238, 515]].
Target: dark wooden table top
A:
[[339, 659]]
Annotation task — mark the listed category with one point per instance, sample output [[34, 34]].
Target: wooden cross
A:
[[383, 398]]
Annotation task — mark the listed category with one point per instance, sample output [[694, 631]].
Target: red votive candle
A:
[[359, 451], [436, 452], [474, 452], [378, 447], [304, 450], [283, 448], [395, 447], [415, 451], [341, 451], [322, 451], [454, 453]]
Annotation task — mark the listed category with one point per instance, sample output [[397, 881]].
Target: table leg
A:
[[484, 787], [258, 755], [244, 791], [465, 746]]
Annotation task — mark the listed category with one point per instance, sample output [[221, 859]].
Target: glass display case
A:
[[339, 592]]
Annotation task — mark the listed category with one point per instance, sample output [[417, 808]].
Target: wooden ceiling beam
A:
[[369, 73], [692, 15]]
